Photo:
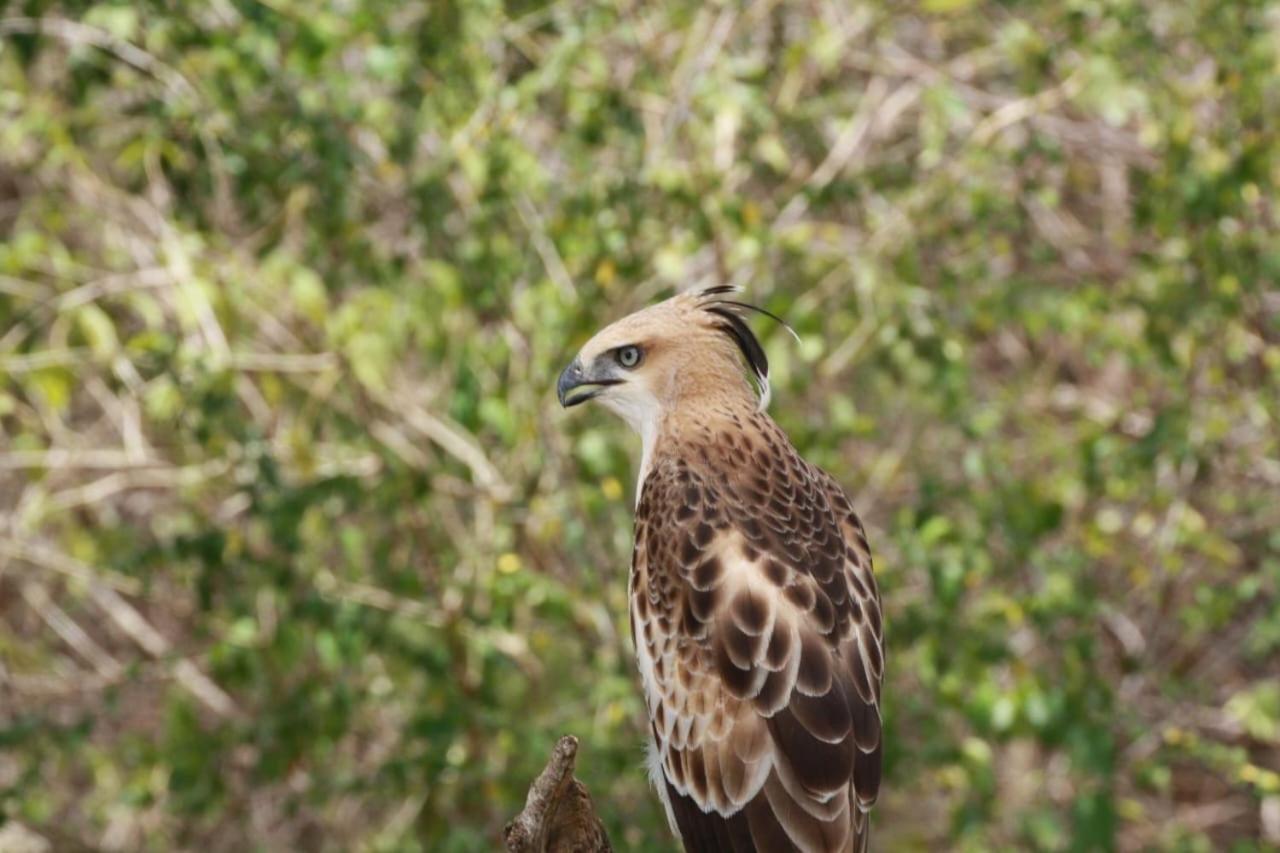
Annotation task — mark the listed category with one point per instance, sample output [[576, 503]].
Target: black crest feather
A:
[[737, 328], [731, 323], [765, 311]]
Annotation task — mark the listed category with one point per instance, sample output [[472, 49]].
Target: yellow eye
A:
[[628, 356]]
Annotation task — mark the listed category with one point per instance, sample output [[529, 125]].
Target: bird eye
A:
[[628, 356]]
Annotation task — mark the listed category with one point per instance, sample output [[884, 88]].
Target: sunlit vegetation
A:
[[297, 550]]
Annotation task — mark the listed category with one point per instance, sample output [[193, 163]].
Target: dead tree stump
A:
[[558, 815]]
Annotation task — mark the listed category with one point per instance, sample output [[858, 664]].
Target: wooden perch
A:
[[558, 816]]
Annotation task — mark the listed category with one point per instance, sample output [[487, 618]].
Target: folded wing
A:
[[758, 631]]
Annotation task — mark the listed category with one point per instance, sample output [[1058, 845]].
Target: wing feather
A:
[[759, 638]]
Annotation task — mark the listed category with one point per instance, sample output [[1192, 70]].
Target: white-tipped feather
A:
[[766, 394]]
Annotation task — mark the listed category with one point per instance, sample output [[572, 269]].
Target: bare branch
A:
[[44, 358], [454, 441], [131, 622], [47, 558], [545, 248], [74, 32], [37, 597], [102, 589], [281, 362], [61, 459]]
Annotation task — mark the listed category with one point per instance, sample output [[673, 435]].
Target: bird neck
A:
[[691, 429]]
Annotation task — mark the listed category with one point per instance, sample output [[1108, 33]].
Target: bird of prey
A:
[[754, 611]]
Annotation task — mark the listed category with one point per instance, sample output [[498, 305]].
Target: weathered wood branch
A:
[[558, 815]]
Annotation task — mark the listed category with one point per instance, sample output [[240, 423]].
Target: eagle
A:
[[754, 611]]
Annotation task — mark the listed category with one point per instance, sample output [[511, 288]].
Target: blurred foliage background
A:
[[298, 552]]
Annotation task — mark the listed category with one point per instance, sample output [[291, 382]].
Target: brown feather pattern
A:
[[758, 631]]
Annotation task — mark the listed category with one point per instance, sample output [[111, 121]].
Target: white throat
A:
[[639, 409], [648, 436]]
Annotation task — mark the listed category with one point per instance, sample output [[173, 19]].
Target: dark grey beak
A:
[[574, 378], [570, 378]]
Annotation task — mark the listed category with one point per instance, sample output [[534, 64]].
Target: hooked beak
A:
[[574, 378]]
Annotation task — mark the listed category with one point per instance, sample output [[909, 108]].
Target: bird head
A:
[[687, 350]]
